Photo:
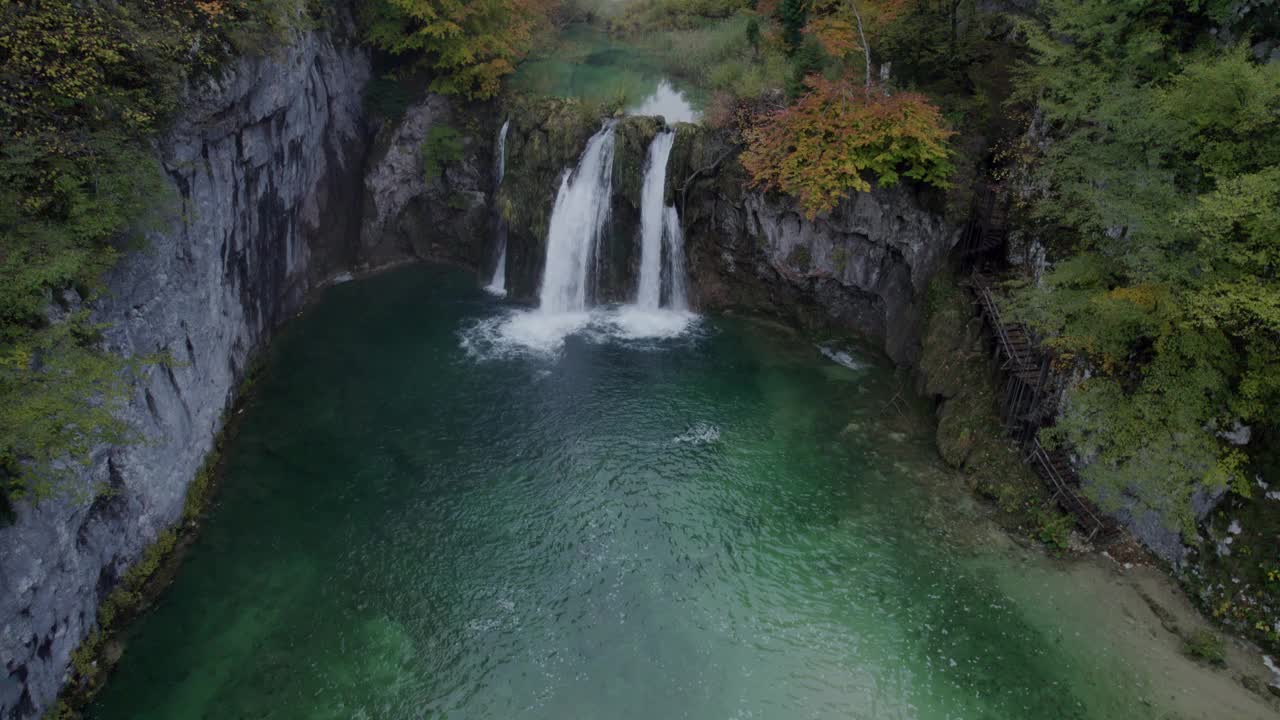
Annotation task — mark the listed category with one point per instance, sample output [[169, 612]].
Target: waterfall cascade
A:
[[653, 221], [498, 286], [577, 220], [659, 227]]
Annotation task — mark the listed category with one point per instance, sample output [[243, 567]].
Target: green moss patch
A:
[[955, 370]]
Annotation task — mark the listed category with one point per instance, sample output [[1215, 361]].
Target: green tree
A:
[[467, 46], [793, 14], [1163, 183], [83, 89]]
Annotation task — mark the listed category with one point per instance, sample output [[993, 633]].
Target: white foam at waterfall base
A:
[[631, 322], [536, 333], [522, 332], [498, 286]]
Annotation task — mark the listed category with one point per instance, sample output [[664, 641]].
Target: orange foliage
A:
[[211, 8], [834, 25], [838, 35], [839, 134]]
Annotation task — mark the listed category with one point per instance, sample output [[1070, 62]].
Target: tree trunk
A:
[[866, 48]]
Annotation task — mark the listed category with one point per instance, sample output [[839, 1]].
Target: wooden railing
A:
[[1056, 477], [1030, 402]]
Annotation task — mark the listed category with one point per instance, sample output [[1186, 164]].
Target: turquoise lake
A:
[[723, 525]]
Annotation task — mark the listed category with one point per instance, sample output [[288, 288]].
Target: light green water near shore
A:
[[726, 525]]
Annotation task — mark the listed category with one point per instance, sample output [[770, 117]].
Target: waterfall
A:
[[675, 259], [498, 286], [577, 226], [652, 220], [659, 223], [577, 220], [501, 171]]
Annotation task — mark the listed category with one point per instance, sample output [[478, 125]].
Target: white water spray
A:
[[577, 220], [498, 286], [668, 103]]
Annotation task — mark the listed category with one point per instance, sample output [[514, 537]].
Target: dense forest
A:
[[1140, 140]]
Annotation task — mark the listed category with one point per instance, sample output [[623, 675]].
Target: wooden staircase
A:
[[1030, 402], [988, 226]]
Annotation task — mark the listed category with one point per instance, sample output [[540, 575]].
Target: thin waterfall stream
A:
[[660, 235], [653, 221], [676, 270], [498, 286]]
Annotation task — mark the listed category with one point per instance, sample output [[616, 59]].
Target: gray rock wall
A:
[[443, 217], [262, 164], [863, 267]]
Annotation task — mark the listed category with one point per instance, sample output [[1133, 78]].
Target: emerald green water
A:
[[721, 526], [586, 63]]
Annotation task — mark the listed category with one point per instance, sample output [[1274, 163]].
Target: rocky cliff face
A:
[[278, 188], [442, 217], [261, 165], [863, 267]]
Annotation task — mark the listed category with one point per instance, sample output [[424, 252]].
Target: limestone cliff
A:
[[863, 267], [442, 217], [261, 164]]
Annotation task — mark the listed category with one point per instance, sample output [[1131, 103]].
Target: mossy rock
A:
[[955, 437], [633, 137]]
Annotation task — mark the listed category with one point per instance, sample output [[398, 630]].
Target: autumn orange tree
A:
[[467, 45], [841, 27], [838, 137]]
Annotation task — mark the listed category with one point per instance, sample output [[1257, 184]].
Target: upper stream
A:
[[586, 63], [720, 525]]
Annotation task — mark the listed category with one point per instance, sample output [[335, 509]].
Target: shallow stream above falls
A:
[[587, 64], [721, 525]]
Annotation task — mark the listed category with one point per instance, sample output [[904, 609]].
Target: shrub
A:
[[1206, 645], [442, 147], [838, 134]]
